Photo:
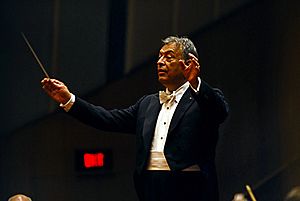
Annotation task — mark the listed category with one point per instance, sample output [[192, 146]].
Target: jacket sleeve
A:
[[115, 120], [212, 101]]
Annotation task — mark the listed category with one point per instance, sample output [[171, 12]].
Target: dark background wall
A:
[[70, 37], [251, 54]]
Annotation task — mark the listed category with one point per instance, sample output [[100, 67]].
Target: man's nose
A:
[[160, 62]]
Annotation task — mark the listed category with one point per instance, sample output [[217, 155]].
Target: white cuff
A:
[[67, 106], [198, 87]]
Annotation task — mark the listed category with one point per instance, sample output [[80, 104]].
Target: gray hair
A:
[[185, 44], [19, 197]]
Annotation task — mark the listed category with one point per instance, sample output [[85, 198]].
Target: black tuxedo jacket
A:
[[193, 131]]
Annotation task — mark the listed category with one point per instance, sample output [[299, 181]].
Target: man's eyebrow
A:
[[167, 51]]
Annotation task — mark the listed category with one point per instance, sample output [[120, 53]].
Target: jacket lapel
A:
[[150, 121], [184, 103]]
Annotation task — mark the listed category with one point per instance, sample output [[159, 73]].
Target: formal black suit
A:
[[192, 135]]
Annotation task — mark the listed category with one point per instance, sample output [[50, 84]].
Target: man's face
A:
[[168, 67]]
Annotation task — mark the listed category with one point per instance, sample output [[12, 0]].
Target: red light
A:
[[93, 160]]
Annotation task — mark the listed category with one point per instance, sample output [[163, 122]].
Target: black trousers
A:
[[174, 186]]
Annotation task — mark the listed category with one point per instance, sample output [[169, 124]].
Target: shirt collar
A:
[[179, 92]]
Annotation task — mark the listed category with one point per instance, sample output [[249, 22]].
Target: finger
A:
[[45, 80], [182, 65], [55, 81], [193, 56], [195, 64], [187, 71], [50, 86], [58, 83], [47, 87], [194, 59]]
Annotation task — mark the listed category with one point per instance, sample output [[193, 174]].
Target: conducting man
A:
[[176, 129]]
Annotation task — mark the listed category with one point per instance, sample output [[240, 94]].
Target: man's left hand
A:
[[191, 70]]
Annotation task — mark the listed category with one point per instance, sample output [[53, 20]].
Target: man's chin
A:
[[162, 80]]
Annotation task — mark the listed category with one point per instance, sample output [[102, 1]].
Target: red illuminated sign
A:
[[93, 160]]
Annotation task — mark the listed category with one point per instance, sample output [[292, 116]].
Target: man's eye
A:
[[166, 57], [169, 57]]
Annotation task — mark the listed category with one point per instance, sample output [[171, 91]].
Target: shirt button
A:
[[168, 108], [161, 138], [165, 123]]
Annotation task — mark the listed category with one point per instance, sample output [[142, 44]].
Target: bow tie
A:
[[166, 98]]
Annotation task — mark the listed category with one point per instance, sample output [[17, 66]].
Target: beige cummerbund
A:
[[157, 161]]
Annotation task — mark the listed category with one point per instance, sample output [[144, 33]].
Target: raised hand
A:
[[191, 69], [56, 89]]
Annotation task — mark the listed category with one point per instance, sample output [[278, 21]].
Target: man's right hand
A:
[[56, 89]]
